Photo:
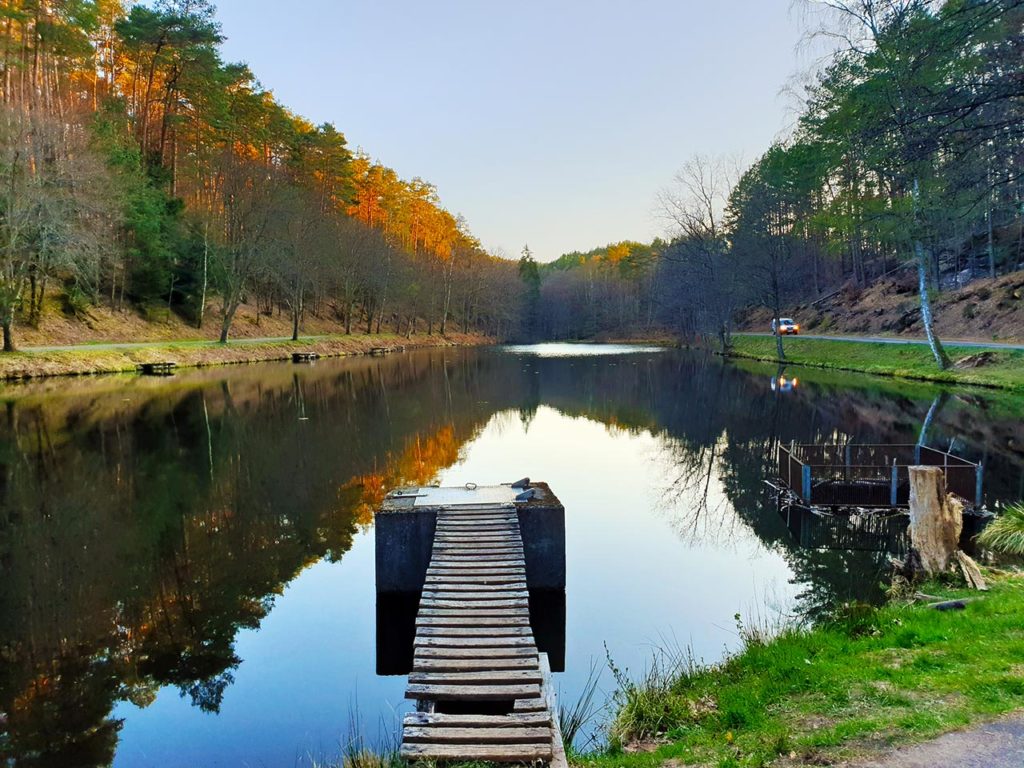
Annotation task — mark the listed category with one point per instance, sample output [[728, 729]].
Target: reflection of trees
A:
[[143, 523], [138, 538]]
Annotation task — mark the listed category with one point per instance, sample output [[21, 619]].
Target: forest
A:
[[907, 156], [142, 172]]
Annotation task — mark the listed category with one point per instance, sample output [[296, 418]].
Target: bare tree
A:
[[700, 277], [55, 206]]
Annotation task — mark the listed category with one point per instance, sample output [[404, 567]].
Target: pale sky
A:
[[552, 123]]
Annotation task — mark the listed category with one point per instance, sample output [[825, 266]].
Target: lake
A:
[[188, 562]]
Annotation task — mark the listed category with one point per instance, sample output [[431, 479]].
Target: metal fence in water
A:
[[870, 475]]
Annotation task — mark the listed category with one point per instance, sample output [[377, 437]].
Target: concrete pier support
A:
[[404, 537]]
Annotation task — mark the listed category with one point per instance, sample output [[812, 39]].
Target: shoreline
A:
[[991, 368], [110, 359], [845, 689]]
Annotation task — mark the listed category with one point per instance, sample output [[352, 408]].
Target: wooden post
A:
[[806, 484], [979, 474], [893, 484], [936, 519]]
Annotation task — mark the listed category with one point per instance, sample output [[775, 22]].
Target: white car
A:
[[787, 327]]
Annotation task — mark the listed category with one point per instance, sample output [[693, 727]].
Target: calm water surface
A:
[[187, 564]]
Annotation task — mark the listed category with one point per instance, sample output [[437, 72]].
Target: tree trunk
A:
[[206, 262], [8, 336], [938, 351], [936, 519]]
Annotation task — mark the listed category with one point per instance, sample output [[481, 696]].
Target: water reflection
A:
[[152, 531]]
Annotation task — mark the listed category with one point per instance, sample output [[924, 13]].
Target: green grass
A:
[[866, 679], [1006, 532], [1004, 369]]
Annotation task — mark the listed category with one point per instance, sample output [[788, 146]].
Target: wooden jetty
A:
[[163, 368], [482, 687]]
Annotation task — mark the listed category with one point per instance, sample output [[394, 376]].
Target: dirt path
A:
[[993, 745]]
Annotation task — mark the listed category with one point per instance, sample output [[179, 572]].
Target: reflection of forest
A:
[[144, 523]]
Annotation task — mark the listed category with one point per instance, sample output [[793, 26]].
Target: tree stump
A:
[[936, 519]]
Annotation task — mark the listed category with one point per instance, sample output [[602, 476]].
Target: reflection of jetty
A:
[[870, 475], [476, 556]]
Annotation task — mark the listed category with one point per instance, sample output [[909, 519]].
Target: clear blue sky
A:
[[552, 122]]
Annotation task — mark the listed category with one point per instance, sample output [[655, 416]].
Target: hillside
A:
[[982, 310]]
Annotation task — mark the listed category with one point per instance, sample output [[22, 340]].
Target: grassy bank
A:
[[866, 680], [998, 368], [122, 359]]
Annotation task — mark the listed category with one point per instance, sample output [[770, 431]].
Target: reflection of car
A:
[[781, 384], [786, 327]]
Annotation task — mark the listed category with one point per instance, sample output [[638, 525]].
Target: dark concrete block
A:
[[404, 540]]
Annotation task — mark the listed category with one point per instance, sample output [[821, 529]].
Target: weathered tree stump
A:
[[936, 519]]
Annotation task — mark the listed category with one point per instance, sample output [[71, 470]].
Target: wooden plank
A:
[[482, 603], [492, 753], [473, 620], [475, 735], [478, 677], [516, 570], [472, 692], [467, 610], [469, 665], [462, 583], [530, 704], [475, 548], [470, 554], [466, 721], [435, 651], [462, 537], [474, 642], [474, 591], [458, 632], [475, 563], [481, 515]]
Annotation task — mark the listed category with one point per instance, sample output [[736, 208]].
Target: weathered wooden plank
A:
[[512, 603], [465, 549], [460, 537], [474, 652], [529, 705], [480, 516], [516, 570], [467, 721], [478, 677], [469, 665], [468, 610], [476, 735], [472, 692], [473, 620], [476, 583], [459, 632], [493, 753], [476, 564], [474, 591], [474, 642]]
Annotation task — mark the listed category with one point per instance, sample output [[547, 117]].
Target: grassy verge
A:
[[868, 679], [998, 368], [24, 365]]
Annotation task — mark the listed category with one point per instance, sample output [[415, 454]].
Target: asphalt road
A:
[[890, 340], [994, 745]]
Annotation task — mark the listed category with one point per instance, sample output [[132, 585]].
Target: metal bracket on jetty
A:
[[475, 560]]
